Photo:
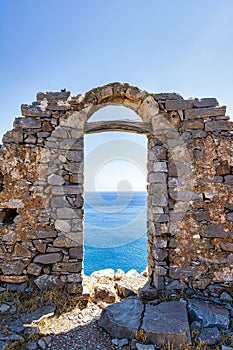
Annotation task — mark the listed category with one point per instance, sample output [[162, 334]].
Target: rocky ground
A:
[[55, 320]]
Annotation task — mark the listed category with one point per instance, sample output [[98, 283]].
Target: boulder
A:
[[166, 323], [209, 314], [45, 282], [122, 320], [211, 336]]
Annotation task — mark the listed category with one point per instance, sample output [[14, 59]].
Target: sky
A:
[[160, 46]]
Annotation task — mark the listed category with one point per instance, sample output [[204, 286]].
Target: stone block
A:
[[196, 113], [13, 267], [205, 102], [160, 167], [14, 279], [175, 105], [166, 324], [210, 336], [193, 124], [230, 216], [122, 320], [64, 241], [168, 96], [209, 314], [53, 96], [218, 125], [199, 133], [32, 111], [27, 123], [50, 258], [178, 272], [13, 136], [76, 253], [67, 267], [34, 269], [46, 282], [215, 231]]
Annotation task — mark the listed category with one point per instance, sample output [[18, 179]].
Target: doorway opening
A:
[[115, 196]]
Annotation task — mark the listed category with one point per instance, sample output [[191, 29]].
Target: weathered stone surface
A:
[[147, 292], [218, 125], [76, 253], [166, 323], [13, 279], [182, 272], [64, 242], [30, 111], [14, 267], [67, 267], [63, 226], [55, 180], [13, 136], [48, 258], [204, 112], [210, 336], [168, 96], [215, 231], [45, 282], [209, 314], [205, 102], [34, 269], [174, 105], [53, 96], [189, 185], [122, 320], [27, 123]]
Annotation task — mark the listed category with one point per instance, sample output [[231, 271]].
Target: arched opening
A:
[[115, 208]]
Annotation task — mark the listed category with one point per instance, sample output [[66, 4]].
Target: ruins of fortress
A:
[[190, 188]]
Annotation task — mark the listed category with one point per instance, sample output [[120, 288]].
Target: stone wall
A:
[[190, 178]]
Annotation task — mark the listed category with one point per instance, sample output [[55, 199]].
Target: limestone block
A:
[[32, 111], [166, 324], [204, 112], [209, 314], [48, 258], [175, 105]]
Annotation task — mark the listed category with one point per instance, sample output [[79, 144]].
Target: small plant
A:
[[140, 336]]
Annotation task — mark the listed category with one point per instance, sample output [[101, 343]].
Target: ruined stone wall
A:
[[190, 177]]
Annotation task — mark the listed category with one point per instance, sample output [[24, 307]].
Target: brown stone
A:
[[46, 126], [178, 272], [41, 247], [64, 242], [223, 168], [21, 251], [14, 279], [34, 269], [48, 258], [218, 125], [193, 124]]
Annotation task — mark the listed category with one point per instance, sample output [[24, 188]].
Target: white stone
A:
[[56, 180], [62, 225]]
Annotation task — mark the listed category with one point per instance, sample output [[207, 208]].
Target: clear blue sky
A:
[[173, 45]]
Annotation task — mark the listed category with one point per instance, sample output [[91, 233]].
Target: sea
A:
[[115, 231]]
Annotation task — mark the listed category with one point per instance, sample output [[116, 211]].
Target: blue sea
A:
[[115, 231]]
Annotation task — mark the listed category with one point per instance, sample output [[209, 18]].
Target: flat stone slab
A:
[[122, 320], [166, 323], [209, 314]]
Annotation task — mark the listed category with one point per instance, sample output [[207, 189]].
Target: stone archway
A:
[[189, 192]]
